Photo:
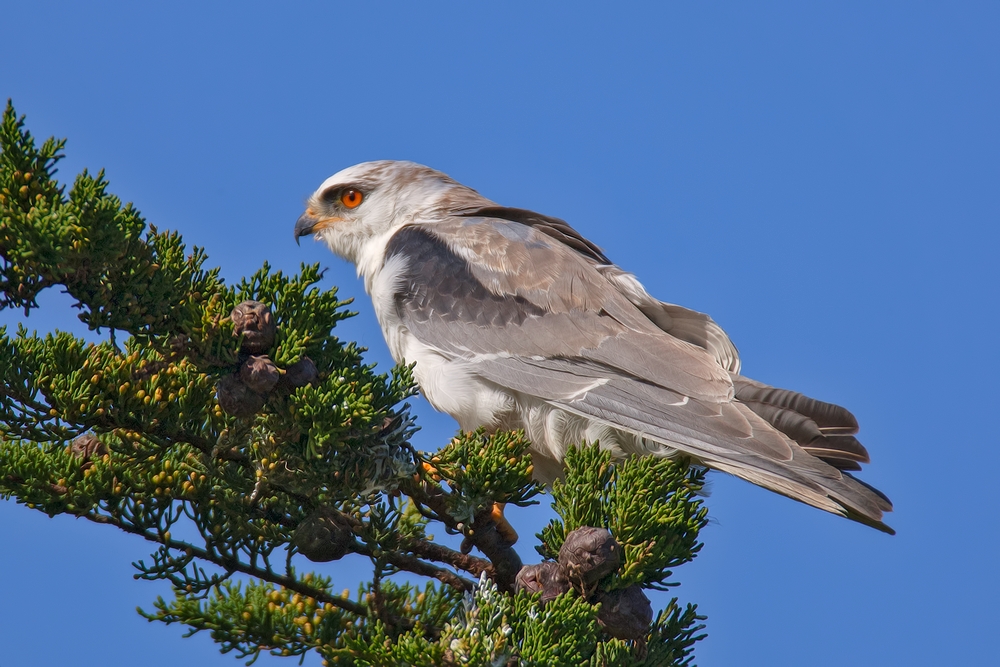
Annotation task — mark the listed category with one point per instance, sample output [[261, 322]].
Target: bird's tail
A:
[[823, 430]]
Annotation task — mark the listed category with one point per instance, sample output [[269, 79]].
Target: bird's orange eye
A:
[[351, 198]]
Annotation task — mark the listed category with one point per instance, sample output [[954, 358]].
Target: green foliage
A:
[[650, 505], [255, 618], [485, 470], [223, 498], [123, 276]]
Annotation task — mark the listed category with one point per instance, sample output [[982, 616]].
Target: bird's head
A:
[[371, 200]]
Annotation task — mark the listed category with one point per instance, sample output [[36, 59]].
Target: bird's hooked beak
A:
[[308, 224]]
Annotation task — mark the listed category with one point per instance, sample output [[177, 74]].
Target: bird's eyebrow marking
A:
[[331, 194]]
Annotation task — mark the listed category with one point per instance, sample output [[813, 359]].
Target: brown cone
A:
[[253, 320], [236, 398], [625, 613], [588, 555], [323, 536], [259, 374], [87, 447], [547, 578], [299, 374]]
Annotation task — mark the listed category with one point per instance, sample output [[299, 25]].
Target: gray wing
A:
[[480, 287], [682, 323], [534, 315]]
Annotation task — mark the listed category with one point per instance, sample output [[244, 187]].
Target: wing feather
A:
[[729, 437], [533, 298], [682, 323]]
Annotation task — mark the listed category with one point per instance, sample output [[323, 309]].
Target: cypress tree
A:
[[228, 426]]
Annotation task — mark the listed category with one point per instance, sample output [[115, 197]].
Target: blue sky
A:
[[823, 180]]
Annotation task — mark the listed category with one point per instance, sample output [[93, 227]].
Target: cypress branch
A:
[[265, 456]]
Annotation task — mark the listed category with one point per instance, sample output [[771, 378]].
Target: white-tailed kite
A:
[[515, 321]]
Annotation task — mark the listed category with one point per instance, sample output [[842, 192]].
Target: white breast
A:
[[449, 384]]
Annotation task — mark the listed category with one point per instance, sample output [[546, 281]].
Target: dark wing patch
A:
[[555, 228], [528, 296], [687, 325], [437, 284]]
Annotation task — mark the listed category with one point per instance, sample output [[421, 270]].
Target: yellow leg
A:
[[506, 530]]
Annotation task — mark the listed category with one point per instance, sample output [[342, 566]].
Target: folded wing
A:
[[534, 308]]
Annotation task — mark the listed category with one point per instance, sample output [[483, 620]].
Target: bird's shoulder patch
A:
[[437, 283]]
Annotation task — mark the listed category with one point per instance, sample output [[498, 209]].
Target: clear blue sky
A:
[[824, 180]]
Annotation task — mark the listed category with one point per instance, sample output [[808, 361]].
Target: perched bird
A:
[[515, 321]]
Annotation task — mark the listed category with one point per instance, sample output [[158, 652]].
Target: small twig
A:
[[235, 565], [417, 566], [505, 563], [431, 551]]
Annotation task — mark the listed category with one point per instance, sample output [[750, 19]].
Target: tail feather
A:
[[754, 440], [829, 418], [838, 448], [823, 429]]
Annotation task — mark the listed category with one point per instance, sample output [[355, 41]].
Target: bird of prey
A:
[[516, 321]]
